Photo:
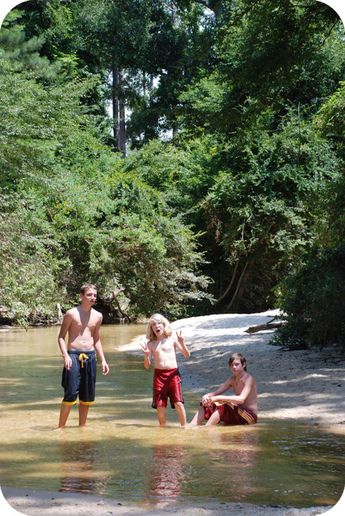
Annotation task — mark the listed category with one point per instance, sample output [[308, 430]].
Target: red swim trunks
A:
[[231, 415], [166, 384]]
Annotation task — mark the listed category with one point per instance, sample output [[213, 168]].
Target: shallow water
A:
[[123, 454]]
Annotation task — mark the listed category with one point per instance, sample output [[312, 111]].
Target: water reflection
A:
[[213, 462], [79, 469], [166, 474], [235, 452]]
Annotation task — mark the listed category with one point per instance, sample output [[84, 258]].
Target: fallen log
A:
[[266, 326]]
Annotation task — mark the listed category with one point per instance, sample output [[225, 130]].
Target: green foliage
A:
[[313, 296], [313, 299], [30, 262], [152, 264], [183, 174], [75, 215], [262, 214], [236, 112], [330, 120]]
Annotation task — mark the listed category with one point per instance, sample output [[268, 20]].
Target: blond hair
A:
[[150, 335]]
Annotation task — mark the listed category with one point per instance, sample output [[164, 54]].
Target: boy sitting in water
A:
[[161, 349], [240, 408]]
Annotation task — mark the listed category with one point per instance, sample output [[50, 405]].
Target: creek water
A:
[[123, 454]]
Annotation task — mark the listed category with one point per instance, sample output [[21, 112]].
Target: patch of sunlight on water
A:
[[122, 453]]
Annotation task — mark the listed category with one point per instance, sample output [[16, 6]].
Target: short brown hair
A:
[[86, 286], [240, 357]]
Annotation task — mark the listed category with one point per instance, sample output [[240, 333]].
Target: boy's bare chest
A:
[[238, 385], [164, 346], [82, 323]]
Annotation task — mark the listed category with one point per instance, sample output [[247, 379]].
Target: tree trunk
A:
[[227, 290], [123, 316], [121, 135], [119, 113], [238, 286], [115, 103]]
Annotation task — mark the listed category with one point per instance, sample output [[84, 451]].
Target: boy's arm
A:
[[236, 399], [147, 354], [181, 344], [207, 398], [66, 323], [98, 346]]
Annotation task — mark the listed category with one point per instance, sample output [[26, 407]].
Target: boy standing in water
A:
[[241, 408], [161, 349], [82, 324]]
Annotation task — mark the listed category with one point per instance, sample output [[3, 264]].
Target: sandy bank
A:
[[306, 386]]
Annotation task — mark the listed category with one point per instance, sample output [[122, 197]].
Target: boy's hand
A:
[[145, 348], [147, 354], [181, 344], [218, 400], [105, 367], [67, 362], [206, 401], [180, 337]]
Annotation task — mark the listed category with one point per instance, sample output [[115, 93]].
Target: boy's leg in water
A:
[[64, 413], [161, 414], [214, 419], [198, 417], [83, 412], [181, 413]]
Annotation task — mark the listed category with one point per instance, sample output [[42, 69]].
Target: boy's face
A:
[[89, 297], [236, 367], [157, 328]]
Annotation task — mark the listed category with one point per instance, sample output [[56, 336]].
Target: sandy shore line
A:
[[32, 502], [304, 386]]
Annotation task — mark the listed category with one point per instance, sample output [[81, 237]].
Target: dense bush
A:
[[313, 299], [222, 156]]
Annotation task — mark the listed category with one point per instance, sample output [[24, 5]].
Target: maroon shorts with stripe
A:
[[231, 415], [166, 384]]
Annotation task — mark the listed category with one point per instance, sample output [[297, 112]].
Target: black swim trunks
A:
[[80, 379]]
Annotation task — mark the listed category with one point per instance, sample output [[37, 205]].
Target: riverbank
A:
[[302, 385], [306, 387]]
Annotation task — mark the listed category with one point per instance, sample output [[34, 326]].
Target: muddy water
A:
[[123, 454]]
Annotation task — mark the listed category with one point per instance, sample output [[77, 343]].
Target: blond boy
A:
[[160, 349]]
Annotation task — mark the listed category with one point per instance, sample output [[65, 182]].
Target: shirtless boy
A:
[[161, 349], [241, 408], [82, 324]]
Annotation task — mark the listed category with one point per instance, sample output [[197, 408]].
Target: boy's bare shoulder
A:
[[72, 312], [96, 313], [250, 378]]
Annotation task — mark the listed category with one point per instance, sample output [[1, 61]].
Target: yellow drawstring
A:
[[82, 357]]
